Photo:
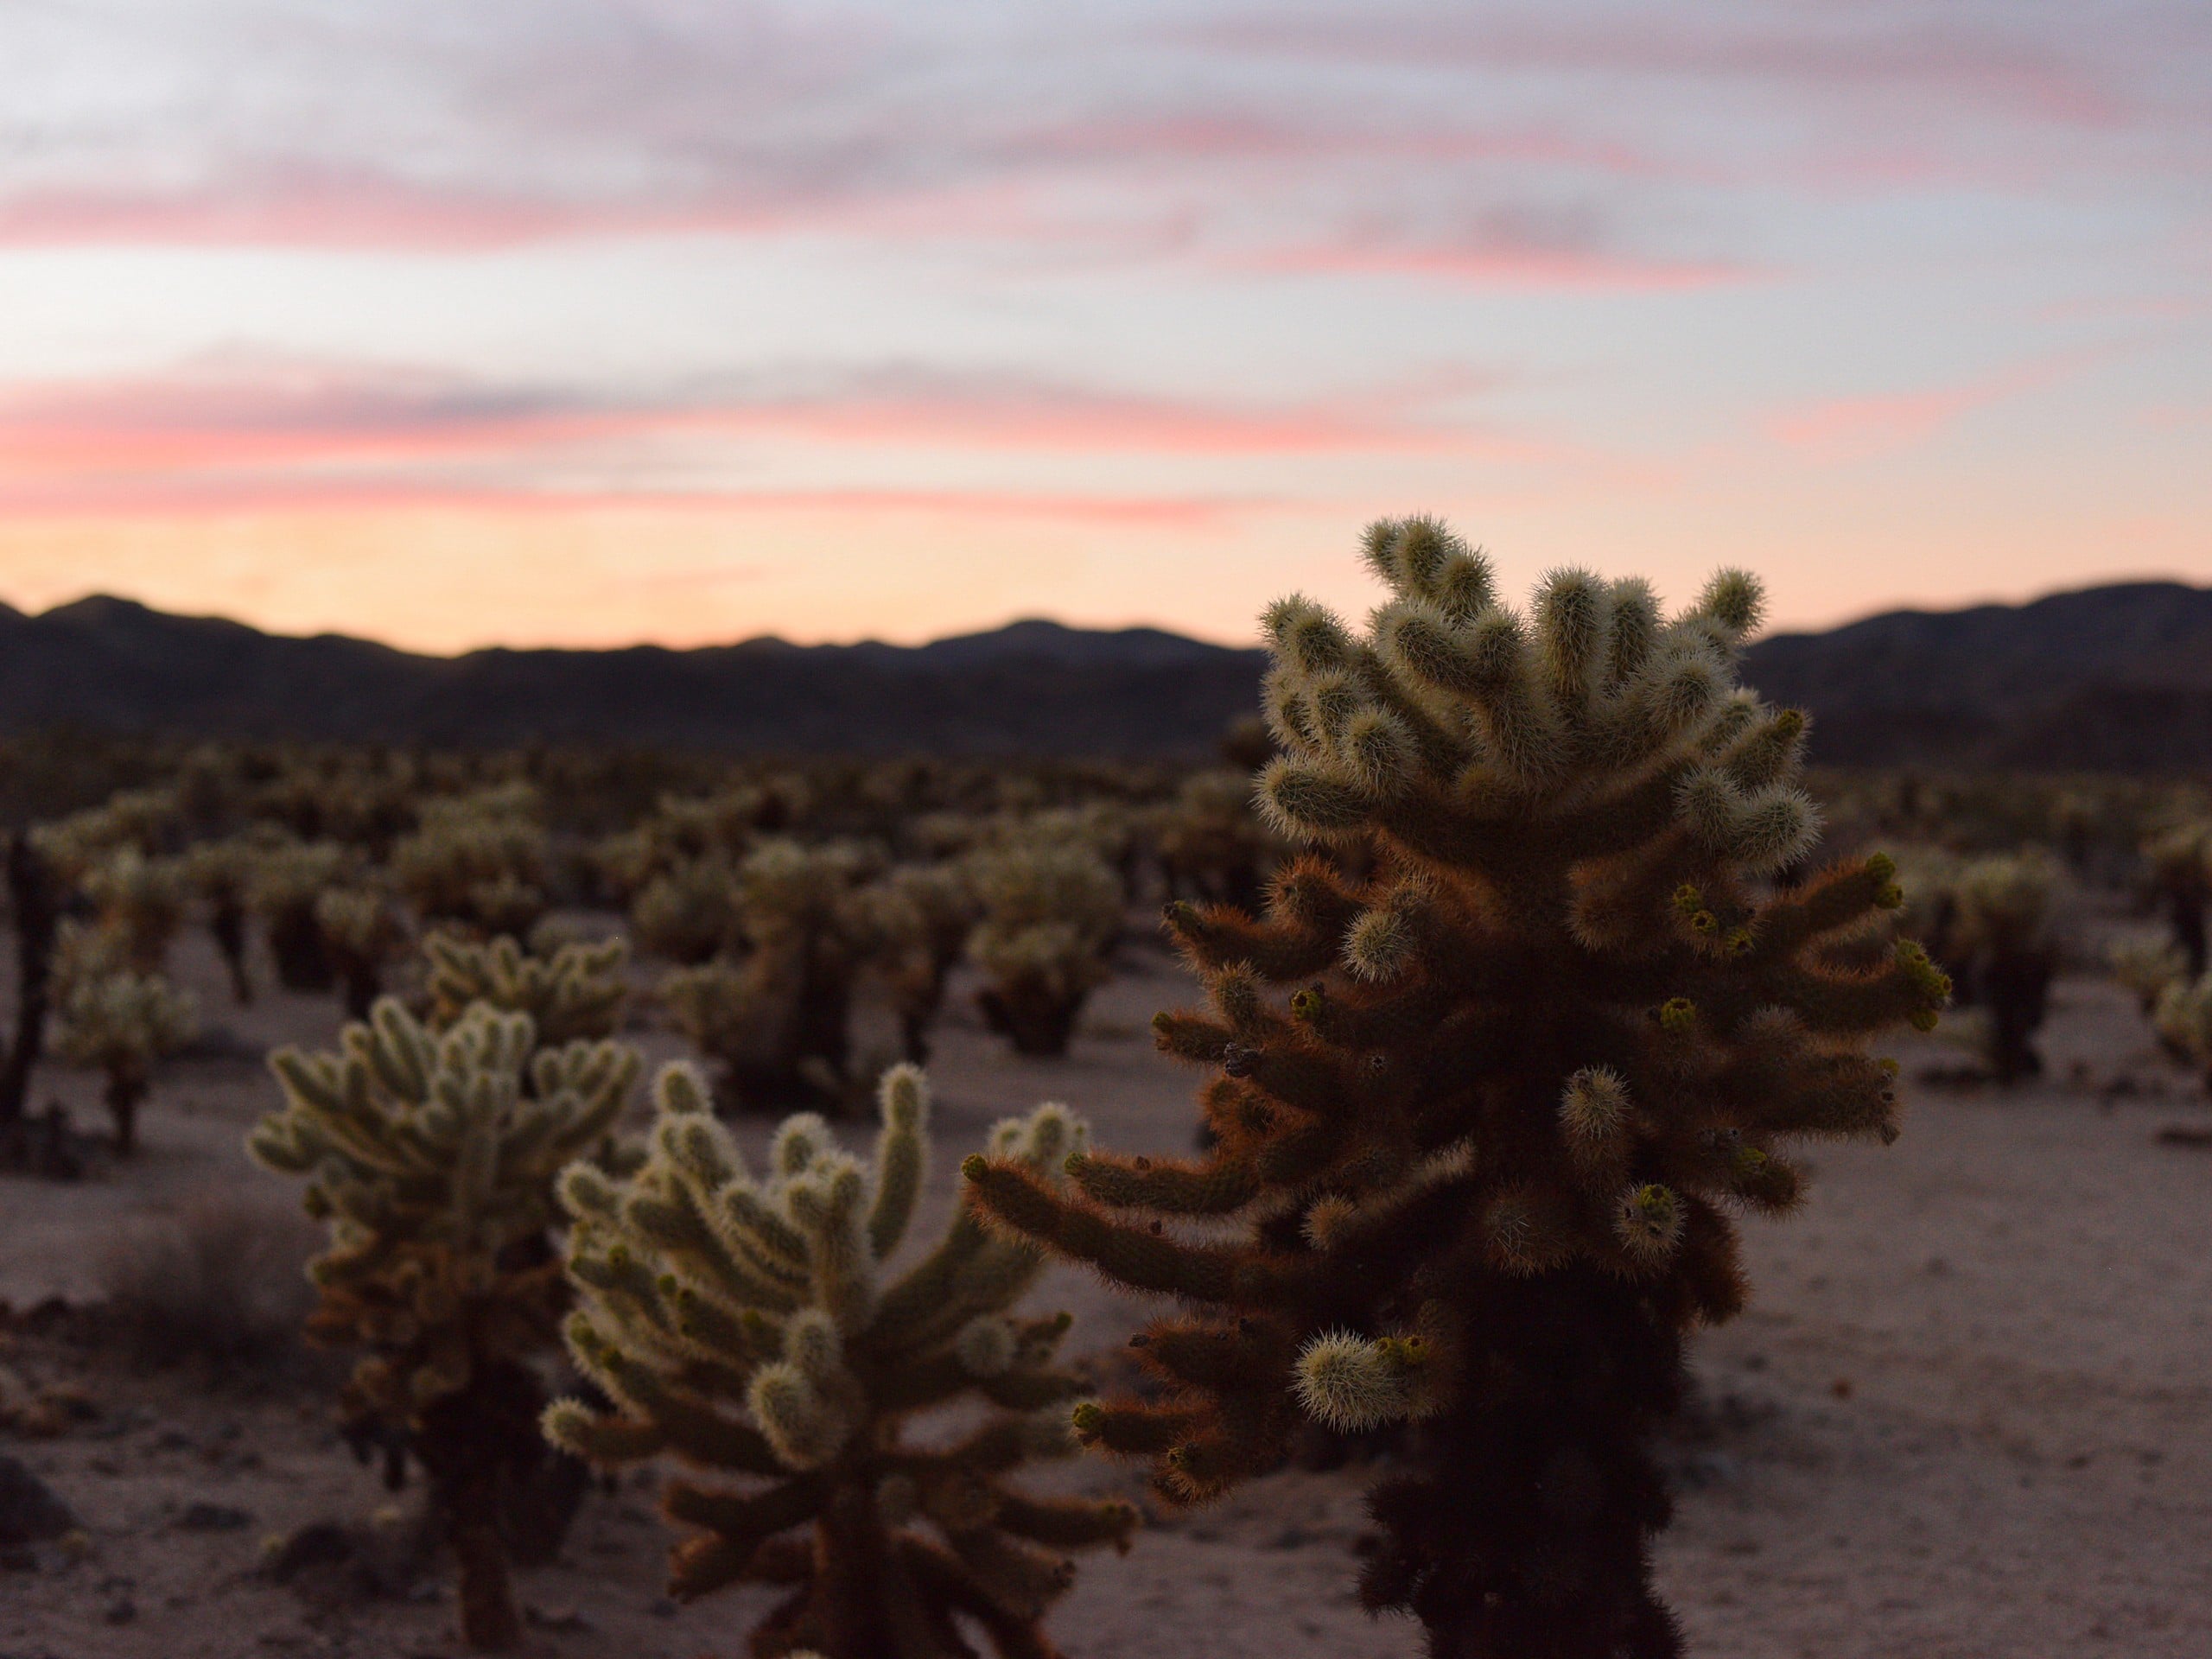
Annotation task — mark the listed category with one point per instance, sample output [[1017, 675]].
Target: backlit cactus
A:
[[2005, 934], [1051, 910], [221, 874], [288, 877], [1485, 1109], [363, 933], [752, 1327], [433, 1156]]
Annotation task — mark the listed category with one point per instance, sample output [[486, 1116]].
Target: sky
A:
[[578, 322]]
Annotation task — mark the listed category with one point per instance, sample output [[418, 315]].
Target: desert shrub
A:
[[1051, 912], [752, 1327], [1482, 1112], [218, 1283]]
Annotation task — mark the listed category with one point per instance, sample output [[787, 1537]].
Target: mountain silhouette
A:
[[2105, 679]]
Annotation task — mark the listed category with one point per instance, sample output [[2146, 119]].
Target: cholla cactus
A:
[[220, 872], [478, 861], [574, 994], [1485, 1109], [35, 896], [2184, 1021], [1211, 845], [2144, 967], [122, 1024], [140, 900], [363, 933], [1051, 910], [2180, 860], [2005, 934], [920, 915], [288, 879], [433, 1156], [690, 913], [750, 1327], [779, 1023]]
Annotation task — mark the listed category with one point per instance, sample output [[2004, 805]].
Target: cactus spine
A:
[[749, 1327], [1485, 1109]]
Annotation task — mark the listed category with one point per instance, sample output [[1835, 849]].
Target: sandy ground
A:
[[1967, 1415]]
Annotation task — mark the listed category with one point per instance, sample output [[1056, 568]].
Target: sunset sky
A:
[[534, 321]]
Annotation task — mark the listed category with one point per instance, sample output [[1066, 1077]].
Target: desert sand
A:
[[1969, 1412]]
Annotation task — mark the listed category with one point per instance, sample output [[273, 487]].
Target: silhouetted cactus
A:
[[35, 896], [751, 1327], [433, 1156], [1052, 912], [122, 1024], [1484, 1112], [1211, 845], [690, 913]]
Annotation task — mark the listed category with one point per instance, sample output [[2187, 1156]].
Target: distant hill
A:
[[2108, 679]]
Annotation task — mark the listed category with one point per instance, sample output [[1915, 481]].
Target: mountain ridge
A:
[[2114, 677]]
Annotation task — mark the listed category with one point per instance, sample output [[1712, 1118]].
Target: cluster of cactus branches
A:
[[432, 1151], [1483, 1109], [752, 1327]]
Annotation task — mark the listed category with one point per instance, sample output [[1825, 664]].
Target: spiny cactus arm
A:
[[943, 1584], [1214, 1355], [915, 1303], [733, 1528], [599, 1439], [901, 1155], [1066, 1522], [1839, 897], [1140, 1258], [1281, 948], [1909, 988], [1218, 1187], [1140, 1428]]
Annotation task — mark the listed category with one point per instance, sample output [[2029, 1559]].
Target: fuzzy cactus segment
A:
[[752, 1324], [1485, 1106]]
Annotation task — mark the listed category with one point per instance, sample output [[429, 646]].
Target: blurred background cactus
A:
[[777, 1022], [288, 878], [1052, 912], [480, 861], [219, 874], [122, 1024], [432, 1153], [750, 1326], [2005, 936], [1483, 1109], [919, 918]]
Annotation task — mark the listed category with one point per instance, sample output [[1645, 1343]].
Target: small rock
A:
[[29, 1510], [558, 1618]]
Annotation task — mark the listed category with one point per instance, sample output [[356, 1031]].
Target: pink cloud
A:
[[1877, 422], [275, 432]]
